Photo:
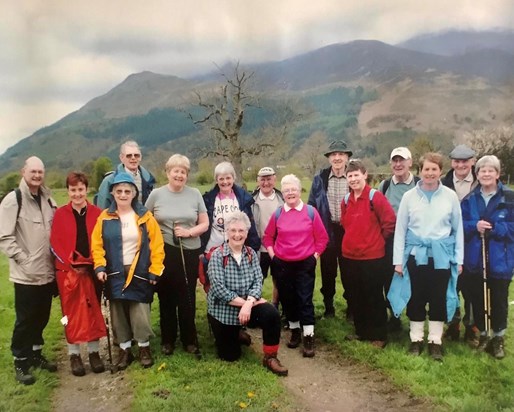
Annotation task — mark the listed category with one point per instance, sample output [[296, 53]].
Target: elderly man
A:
[[26, 216], [328, 189], [130, 156], [394, 188], [462, 179], [267, 200]]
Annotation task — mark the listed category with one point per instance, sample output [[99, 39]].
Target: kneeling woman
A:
[[234, 298]]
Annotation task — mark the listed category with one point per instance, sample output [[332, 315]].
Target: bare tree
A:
[[311, 152]]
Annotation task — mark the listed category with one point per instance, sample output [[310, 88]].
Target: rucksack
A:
[[371, 194], [387, 183], [203, 275]]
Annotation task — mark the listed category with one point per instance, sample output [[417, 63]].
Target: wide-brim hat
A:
[[338, 146]]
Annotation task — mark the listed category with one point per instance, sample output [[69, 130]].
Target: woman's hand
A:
[[258, 302], [398, 269], [101, 276], [271, 252], [459, 269], [182, 232], [316, 255], [245, 312], [482, 226]]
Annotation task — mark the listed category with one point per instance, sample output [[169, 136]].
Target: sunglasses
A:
[[133, 155]]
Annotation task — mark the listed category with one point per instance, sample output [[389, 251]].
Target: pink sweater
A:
[[297, 236]]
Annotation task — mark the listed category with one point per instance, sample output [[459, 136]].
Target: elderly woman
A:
[[488, 212], [295, 238], [368, 221], [128, 252], [223, 200], [70, 240], [181, 214], [234, 299], [428, 255]]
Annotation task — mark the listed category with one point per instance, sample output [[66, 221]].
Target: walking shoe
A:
[[244, 338], [97, 366], [125, 358], [483, 342], [295, 339], [495, 347], [23, 375], [436, 351], [77, 367], [308, 346], [453, 332], [352, 338], [145, 356], [167, 349], [471, 336], [272, 363], [39, 361], [381, 344], [416, 348], [394, 324]]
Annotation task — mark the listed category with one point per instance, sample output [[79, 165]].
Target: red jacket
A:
[[366, 225]]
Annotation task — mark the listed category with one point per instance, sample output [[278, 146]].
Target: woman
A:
[[428, 255], [488, 211], [234, 299], [70, 240], [128, 253], [222, 201], [181, 214], [368, 221], [295, 238]]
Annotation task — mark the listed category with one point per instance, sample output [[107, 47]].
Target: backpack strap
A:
[[371, 194], [386, 185], [19, 200]]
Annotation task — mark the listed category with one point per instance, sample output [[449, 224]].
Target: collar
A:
[[468, 178], [394, 179], [222, 196], [262, 197], [332, 174], [131, 172], [298, 207]]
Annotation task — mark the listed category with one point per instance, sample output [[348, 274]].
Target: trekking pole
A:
[[487, 292], [189, 301], [113, 368]]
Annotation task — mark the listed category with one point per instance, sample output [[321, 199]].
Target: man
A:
[[26, 216], [267, 201], [130, 156], [462, 179], [328, 189], [394, 188]]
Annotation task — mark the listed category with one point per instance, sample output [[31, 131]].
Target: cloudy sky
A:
[[56, 55]]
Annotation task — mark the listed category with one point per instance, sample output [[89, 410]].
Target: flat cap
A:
[[462, 152]]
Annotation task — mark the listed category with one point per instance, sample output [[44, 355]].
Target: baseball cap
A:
[[266, 171], [402, 152]]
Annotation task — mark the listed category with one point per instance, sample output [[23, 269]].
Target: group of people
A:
[[403, 245]]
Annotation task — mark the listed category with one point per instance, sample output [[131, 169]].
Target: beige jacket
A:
[[26, 242]]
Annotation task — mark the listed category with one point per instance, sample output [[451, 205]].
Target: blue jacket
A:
[[318, 199], [500, 239], [245, 201], [443, 252], [104, 198], [107, 252]]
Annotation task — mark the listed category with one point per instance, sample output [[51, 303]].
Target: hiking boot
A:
[[330, 311], [483, 343], [381, 344], [495, 347], [77, 367], [435, 351], [23, 375], [394, 324], [416, 348], [272, 363], [453, 332], [308, 346], [97, 366], [471, 336], [244, 338], [352, 338], [39, 361], [125, 358], [145, 356], [295, 339], [167, 349]]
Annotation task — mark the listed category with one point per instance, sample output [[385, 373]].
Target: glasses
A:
[[120, 192], [133, 155]]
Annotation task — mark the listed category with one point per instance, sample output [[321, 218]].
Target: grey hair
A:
[[238, 216], [130, 143], [224, 168], [291, 180], [178, 160], [489, 160]]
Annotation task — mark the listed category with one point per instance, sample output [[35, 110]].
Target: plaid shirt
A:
[[337, 189], [231, 281]]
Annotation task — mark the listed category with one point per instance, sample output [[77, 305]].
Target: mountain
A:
[[365, 88]]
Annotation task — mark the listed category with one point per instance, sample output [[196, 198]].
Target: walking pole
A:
[[487, 292], [113, 368], [189, 301]]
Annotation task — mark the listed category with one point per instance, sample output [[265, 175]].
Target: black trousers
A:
[[264, 316], [499, 300], [265, 262], [32, 305], [330, 261], [295, 284], [428, 286], [366, 280], [176, 301]]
